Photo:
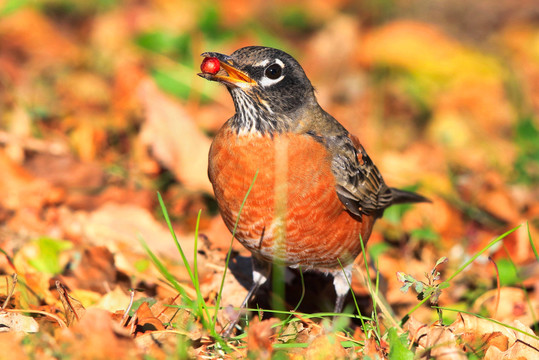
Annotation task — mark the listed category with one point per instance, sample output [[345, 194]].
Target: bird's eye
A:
[[273, 71]]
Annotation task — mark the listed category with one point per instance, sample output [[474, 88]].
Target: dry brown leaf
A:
[[401, 168], [10, 343], [472, 329], [95, 271], [119, 227], [124, 100], [90, 201], [441, 344], [97, 336], [173, 138], [517, 38], [19, 129], [89, 137], [20, 190], [464, 87], [220, 237], [38, 281], [494, 197], [409, 45], [260, 337], [16, 322], [513, 304], [73, 308], [235, 286], [482, 333], [66, 171], [83, 91], [523, 348], [325, 346], [372, 350], [165, 310], [145, 321], [416, 330], [159, 345], [115, 300], [44, 44], [339, 36], [292, 332], [434, 341]]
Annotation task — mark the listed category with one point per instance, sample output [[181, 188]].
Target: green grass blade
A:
[[166, 274], [531, 242], [302, 289], [292, 313], [219, 294], [377, 289], [199, 308], [193, 274], [195, 253], [376, 297], [173, 233], [201, 304], [472, 259]]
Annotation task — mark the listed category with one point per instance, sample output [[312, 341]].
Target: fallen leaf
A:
[[11, 343], [95, 271], [73, 308], [173, 138], [372, 350], [114, 300], [441, 344], [145, 321], [434, 341], [260, 337], [45, 45], [416, 330], [524, 348], [16, 322], [409, 45], [516, 38], [484, 333], [97, 336], [66, 171], [19, 189], [119, 227], [325, 346], [513, 304]]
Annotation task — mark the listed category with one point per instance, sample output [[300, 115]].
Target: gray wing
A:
[[359, 184]]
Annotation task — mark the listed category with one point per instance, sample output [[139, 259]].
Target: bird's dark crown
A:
[[268, 87]]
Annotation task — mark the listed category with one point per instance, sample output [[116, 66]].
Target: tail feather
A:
[[403, 196]]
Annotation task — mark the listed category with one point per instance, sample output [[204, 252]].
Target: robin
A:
[[315, 193]]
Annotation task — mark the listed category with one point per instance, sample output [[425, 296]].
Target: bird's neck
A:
[[255, 116]]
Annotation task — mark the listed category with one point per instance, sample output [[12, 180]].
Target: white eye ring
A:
[[266, 81]]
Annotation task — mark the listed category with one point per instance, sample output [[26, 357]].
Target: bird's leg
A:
[[342, 280], [261, 272]]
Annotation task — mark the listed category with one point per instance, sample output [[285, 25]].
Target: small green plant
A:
[[431, 289]]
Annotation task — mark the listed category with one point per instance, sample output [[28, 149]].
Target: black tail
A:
[[403, 196]]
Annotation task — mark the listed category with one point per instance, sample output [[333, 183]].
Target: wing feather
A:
[[359, 184]]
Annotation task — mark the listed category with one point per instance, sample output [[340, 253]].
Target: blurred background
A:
[[100, 107]]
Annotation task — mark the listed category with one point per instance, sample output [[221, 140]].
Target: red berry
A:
[[210, 65]]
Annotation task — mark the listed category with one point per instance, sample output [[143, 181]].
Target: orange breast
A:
[[292, 214]]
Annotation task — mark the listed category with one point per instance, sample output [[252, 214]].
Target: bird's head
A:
[[268, 86]]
